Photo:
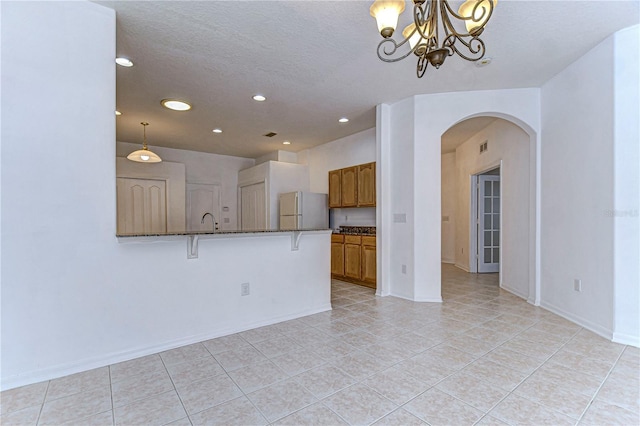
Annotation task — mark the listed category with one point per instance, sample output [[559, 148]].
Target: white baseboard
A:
[[62, 370], [413, 299], [448, 261], [626, 339], [583, 322], [464, 268], [514, 292]]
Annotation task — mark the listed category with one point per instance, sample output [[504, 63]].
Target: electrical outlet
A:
[[245, 289], [404, 269], [577, 285]]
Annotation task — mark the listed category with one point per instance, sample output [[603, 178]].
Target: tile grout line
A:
[[44, 400]]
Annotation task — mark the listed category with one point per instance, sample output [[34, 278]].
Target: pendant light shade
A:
[[144, 155]]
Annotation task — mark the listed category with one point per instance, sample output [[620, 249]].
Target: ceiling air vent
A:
[[270, 134]]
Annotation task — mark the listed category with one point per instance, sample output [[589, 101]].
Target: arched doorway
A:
[[488, 198]]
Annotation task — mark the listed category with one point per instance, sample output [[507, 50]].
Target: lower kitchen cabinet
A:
[[353, 259], [352, 245], [368, 260], [337, 255]]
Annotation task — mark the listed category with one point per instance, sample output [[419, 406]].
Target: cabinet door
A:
[[349, 183], [367, 185], [369, 264], [335, 188], [352, 261], [337, 259]]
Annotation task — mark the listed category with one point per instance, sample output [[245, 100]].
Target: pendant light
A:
[[144, 155]]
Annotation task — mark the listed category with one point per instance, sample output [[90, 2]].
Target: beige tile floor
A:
[[482, 357]]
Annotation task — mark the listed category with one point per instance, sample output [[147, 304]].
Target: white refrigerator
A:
[[303, 210]]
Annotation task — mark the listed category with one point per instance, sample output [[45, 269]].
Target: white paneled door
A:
[[488, 223], [142, 206], [203, 199], [253, 207]]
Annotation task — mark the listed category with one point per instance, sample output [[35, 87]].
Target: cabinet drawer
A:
[[369, 241], [352, 239], [337, 238]]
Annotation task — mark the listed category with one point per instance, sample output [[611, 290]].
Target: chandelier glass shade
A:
[[144, 155], [437, 30]]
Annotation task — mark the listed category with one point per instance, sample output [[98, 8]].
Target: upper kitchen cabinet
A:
[[349, 190], [367, 185], [353, 186], [335, 188]]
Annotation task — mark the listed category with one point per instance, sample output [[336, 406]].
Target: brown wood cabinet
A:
[[353, 186], [353, 259], [335, 188], [368, 260], [337, 255], [349, 188], [352, 245], [367, 185]]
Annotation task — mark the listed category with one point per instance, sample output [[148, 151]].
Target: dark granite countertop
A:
[[223, 232]]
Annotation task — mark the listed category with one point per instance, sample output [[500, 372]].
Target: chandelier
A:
[[437, 30]]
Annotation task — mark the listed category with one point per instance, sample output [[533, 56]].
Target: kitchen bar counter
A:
[[193, 238], [220, 233]]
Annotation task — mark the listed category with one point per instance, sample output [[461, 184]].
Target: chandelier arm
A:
[[423, 63], [389, 42], [475, 47]]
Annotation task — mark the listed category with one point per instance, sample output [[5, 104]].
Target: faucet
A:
[[213, 219]]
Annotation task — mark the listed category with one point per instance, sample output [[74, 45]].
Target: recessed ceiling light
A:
[[118, 112], [259, 98], [344, 120], [175, 105], [124, 62], [286, 143], [217, 130]]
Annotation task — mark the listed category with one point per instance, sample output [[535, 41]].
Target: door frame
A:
[[473, 216]]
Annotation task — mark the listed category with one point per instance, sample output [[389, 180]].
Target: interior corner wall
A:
[[508, 146], [626, 214], [205, 168], [577, 190], [352, 150], [448, 196]]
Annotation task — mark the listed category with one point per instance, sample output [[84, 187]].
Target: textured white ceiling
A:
[[315, 61]]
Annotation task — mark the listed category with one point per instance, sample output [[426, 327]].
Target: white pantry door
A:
[[253, 206], [488, 223], [142, 206], [203, 199]]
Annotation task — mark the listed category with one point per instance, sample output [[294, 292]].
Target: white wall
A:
[[508, 147], [401, 198], [202, 167], [73, 296], [590, 178], [627, 187], [577, 180], [356, 149], [448, 197]]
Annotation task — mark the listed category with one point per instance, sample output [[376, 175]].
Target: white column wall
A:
[[448, 196], [402, 199]]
